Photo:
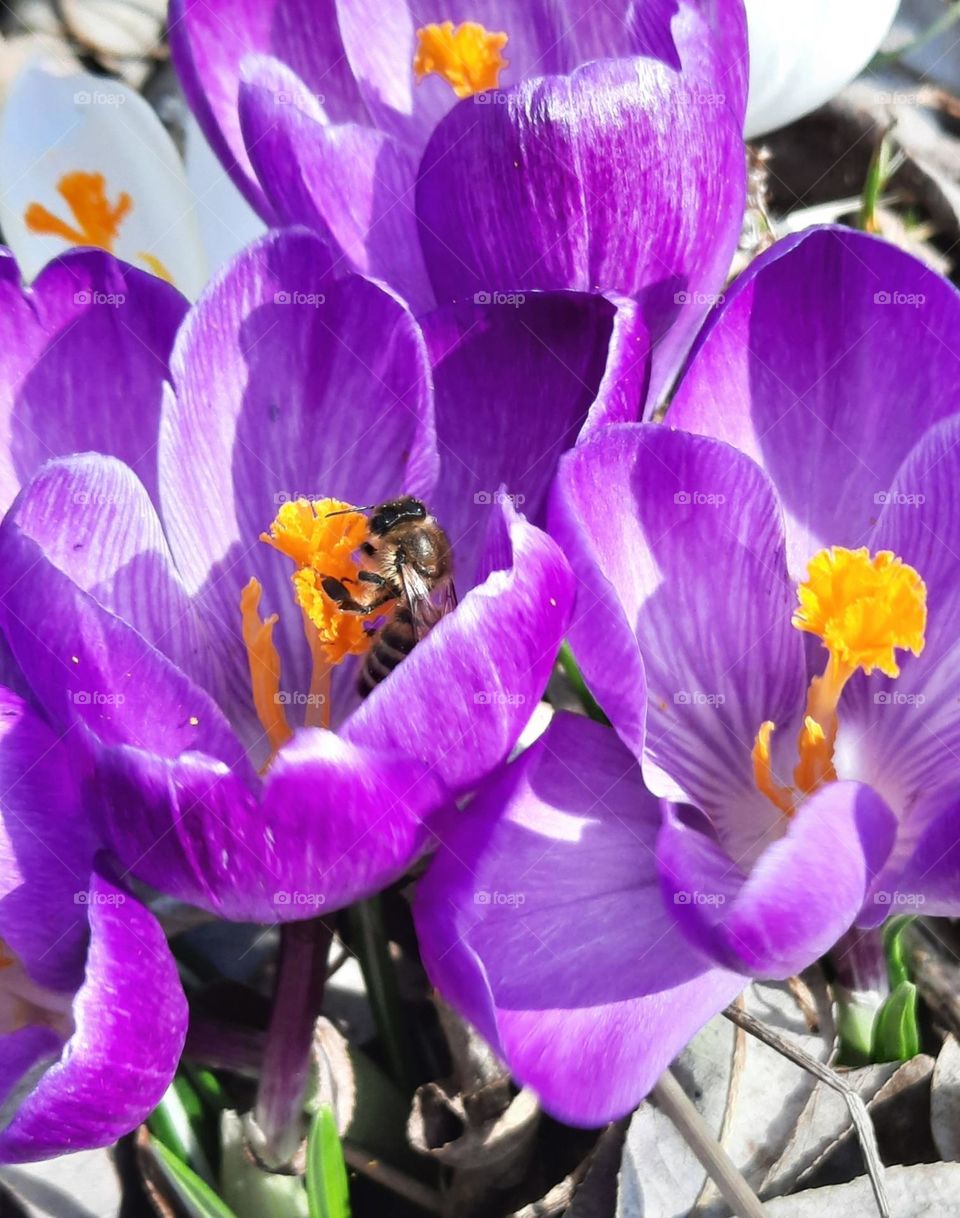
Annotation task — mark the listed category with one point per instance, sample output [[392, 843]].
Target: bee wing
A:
[[427, 606]]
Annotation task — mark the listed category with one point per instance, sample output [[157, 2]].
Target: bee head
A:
[[387, 516]]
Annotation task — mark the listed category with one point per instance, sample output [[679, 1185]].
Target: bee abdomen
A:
[[392, 644]]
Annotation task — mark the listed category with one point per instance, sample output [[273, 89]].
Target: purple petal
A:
[[94, 522], [86, 666], [651, 519], [925, 877], [800, 895], [131, 1019], [902, 734], [802, 367], [287, 383], [459, 701], [347, 820], [209, 43], [543, 36], [617, 177], [517, 378], [350, 183], [336, 823], [55, 337], [541, 920], [46, 848]]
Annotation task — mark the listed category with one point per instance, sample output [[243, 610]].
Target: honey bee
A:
[[408, 569]]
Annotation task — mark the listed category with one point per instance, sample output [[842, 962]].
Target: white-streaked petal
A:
[[227, 221], [58, 123], [802, 52]]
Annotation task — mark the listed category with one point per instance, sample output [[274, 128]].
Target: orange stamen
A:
[[468, 57], [97, 221], [264, 662], [865, 608]]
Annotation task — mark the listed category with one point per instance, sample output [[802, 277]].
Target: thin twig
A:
[[858, 1109], [389, 1178], [677, 1105]]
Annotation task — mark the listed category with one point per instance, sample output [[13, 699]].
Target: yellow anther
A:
[[864, 607], [264, 661], [96, 221], [322, 537], [468, 57]]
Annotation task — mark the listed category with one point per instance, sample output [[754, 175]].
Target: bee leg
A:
[[371, 577], [341, 597]]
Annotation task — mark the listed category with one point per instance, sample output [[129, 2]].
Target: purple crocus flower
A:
[[261, 788], [92, 1016], [611, 159], [767, 613]]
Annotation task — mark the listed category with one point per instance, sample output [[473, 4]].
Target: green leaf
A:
[[198, 1198], [894, 949], [855, 1022], [328, 1193], [179, 1122], [896, 1037]]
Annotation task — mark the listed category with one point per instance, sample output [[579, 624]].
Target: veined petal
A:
[[542, 921], [348, 182], [543, 36], [131, 1020], [94, 522], [618, 177], [682, 599], [53, 337], [518, 377], [58, 124], [460, 700], [288, 383], [776, 917], [923, 877], [209, 43], [335, 822], [803, 367], [91, 670], [47, 845], [902, 735]]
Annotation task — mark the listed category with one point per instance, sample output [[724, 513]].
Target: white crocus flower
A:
[[803, 53], [84, 160]]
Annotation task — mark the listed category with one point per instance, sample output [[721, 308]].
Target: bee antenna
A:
[[351, 510]]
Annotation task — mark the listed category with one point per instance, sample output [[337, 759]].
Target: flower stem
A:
[[369, 940], [298, 997]]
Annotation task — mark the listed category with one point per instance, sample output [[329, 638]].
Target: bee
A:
[[408, 572]]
